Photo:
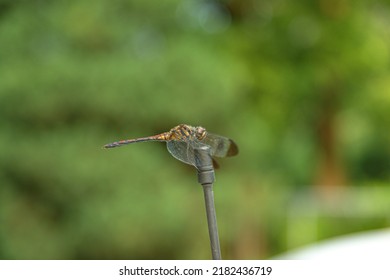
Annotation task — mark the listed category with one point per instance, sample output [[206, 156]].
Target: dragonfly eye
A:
[[200, 132]]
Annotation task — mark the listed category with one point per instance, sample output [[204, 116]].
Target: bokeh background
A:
[[303, 87]]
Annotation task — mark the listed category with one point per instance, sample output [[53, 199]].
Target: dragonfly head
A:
[[200, 132]]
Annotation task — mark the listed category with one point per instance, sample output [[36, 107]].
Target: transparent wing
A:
[[220, 146], [182, 151]]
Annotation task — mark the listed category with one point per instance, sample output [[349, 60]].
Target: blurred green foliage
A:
[[302, 87]]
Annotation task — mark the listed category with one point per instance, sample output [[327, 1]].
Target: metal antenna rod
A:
[[206, 178]]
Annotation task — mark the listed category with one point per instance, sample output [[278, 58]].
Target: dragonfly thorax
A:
[[185, 132]]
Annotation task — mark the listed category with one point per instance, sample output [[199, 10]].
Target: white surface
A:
[[367, 245]]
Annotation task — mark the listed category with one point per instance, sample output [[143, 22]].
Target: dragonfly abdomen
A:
[[159, 137]]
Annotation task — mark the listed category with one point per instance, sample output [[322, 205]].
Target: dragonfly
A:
[[183, 139]]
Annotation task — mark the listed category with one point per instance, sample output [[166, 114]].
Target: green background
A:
[[303, 87]]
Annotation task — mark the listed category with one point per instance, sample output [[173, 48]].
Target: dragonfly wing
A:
[[220, 146], [182, 151]]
